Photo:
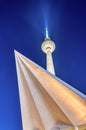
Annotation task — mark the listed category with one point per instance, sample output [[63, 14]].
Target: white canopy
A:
[[46, 102]]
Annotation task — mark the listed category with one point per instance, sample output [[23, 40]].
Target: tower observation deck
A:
[[48, 46]]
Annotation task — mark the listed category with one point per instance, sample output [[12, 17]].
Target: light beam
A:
[[47, 33]]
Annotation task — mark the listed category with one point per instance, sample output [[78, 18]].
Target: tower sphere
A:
[[48, 45]]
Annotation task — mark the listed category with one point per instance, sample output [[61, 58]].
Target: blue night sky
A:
[[22, 27]]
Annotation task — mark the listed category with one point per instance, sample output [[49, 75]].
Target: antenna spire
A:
[[47, 33]]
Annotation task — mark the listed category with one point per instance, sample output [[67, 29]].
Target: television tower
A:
[[48, 46]]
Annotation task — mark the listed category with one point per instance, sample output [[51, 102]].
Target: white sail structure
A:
[[47, 103]]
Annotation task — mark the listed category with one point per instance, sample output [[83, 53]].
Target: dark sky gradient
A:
[[22, 27]]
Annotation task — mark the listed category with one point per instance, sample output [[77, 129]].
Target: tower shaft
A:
[[49, 61]]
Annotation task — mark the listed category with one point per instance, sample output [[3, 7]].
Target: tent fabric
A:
[[46, 101]]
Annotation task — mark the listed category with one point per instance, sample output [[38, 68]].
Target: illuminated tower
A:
[[48, 46]]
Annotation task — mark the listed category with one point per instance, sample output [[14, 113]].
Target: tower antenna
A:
[[47, 33]]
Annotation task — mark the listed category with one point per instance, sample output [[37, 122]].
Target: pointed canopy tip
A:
[[16, 53], [19, 55]]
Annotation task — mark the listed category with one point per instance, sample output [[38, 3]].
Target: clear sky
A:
[[22, 27]]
